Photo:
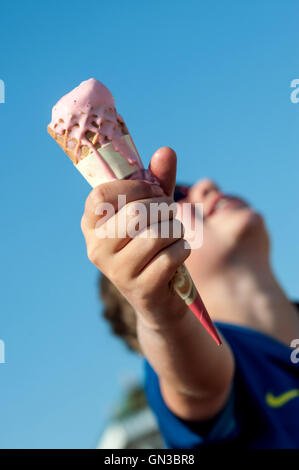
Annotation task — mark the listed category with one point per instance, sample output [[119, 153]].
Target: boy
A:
[[244, 392]]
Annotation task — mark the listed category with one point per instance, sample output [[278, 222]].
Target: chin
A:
[[228, 234], [250, 231], [244, 224]]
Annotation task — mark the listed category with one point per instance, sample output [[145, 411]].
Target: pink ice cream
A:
[[90, 108]]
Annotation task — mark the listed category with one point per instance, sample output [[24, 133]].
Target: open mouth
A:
[[224, 202]]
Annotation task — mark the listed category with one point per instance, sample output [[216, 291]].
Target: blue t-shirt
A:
[[262, 411]]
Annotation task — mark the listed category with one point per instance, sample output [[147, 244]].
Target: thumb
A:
[[163, 167]]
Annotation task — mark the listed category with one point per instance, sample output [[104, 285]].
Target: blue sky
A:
[[210, 79]]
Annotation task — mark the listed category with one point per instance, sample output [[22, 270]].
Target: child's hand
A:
[[140, 266]]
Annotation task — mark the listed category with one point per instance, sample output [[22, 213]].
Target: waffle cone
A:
[[93, 163]]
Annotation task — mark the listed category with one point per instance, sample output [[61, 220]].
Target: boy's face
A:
[[232, 231]]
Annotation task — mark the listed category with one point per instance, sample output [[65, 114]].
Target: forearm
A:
[[192, 369]]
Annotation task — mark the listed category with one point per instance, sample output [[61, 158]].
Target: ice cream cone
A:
[[90, 163], [98, 142]]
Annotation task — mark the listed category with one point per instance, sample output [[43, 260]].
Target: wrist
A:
[[163, 325]]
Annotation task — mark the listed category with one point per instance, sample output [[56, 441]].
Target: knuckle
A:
[[92, 253], [177, 253], [96, 200], [101, 193], [89, 204], [82, 223]]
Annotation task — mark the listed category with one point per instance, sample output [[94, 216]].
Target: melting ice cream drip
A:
[[87, 116]]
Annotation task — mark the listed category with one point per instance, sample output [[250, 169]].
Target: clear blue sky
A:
[[210, 79]]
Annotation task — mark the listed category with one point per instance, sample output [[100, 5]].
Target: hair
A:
[[119, 313]]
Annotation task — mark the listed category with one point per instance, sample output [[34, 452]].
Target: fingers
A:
[[110, 236], [133, 219], [109, 197], [163, 166], [163, 266], [148, 243]]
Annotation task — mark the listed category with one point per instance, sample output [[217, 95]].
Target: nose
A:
[[201, 189]]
